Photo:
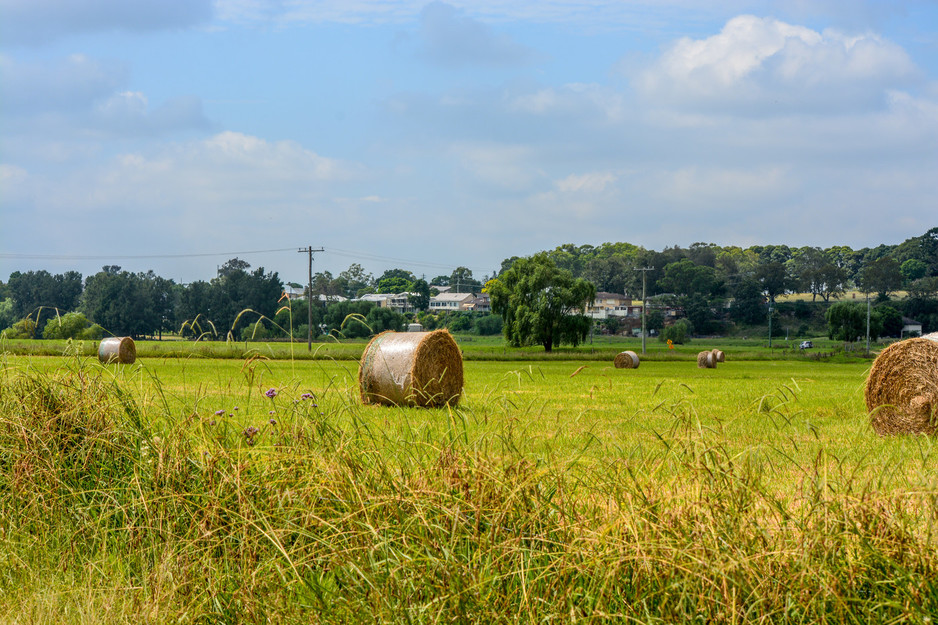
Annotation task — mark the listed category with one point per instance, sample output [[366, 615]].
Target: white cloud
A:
[[765, 66], [594, 182], [40, 21], [454, 39], [229, 178], [507, 167], [78, 94]]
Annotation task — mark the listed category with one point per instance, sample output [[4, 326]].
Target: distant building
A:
[[481, 303], [911, 327], [607, 304], [450, 301]]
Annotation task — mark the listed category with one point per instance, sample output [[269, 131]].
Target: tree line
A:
[[714, 288]]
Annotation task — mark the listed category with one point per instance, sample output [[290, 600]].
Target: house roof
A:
[[452, 297]]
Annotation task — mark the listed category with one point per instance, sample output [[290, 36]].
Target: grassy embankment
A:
[[557, 491]]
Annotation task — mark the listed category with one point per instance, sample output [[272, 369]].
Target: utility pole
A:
[[771, 308], [309, 296], [868, 324], [644, 271]]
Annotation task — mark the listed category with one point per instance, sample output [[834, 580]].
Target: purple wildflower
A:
[[271, 392], [219, 413], [273, 422]]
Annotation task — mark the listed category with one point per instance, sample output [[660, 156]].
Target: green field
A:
[[559, 490]]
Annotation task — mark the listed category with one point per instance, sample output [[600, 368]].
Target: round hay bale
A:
[[902, 388], [705, 360], [119, 349], [626, 360], [411, 369], [718, 355]]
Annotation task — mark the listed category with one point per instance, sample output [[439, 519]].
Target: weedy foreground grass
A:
[[119, 507]]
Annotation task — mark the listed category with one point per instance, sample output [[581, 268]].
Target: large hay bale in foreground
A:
[[119, 349], [706, 360], [411, 369], [718, 355], [626, 360], [902, 388]]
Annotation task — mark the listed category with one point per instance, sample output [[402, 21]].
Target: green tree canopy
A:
[[540, 303], [846, 321], [881, 276], [461, 281]]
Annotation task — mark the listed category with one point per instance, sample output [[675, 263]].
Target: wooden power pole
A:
[[644, 271], [309, 296]]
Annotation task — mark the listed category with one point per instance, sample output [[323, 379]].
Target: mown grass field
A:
[[559, 490]]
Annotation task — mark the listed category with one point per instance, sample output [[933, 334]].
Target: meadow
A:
[[258, 488]]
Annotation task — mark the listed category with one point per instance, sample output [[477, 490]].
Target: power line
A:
[[133, 257]]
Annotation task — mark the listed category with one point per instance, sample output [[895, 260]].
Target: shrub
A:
[[22, 329], [488, 325], [68, 326], [677, 332]]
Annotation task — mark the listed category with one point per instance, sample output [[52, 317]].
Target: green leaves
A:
[[541, 304]]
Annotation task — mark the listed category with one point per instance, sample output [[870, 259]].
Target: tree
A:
[[890, 320], [912, 270], [773, 278], [686, 278], [419, 297], [814, 273], [395, 281], [881, 276], [231, 266], [34, 290], [748, 303], [354, 282], [541, 304], [846, 321], [461, 281]]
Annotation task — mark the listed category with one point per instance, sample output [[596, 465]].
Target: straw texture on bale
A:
[[411, 369], [626, 360], [119, 349], [706, 360], [902, 388], [718, 355]]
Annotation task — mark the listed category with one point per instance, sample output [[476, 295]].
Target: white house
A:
[[911, 327], [450, 301]]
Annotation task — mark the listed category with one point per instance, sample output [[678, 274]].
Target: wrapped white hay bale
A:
[[626, 360], [718, 355], [119, 349], [411, 369], [902, 388], [706, 360]]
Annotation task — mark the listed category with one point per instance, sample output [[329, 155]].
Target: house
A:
[[910, 327], [607, 304], [482, 303], [449, 301]]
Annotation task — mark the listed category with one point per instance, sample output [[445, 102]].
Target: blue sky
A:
[[174, 134]]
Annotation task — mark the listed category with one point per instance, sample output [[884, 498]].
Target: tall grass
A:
[[117, 509]]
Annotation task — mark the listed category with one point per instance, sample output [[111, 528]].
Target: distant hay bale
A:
[[119, 349], [411, 369], [706, 360], [626, 360], [718, 355], [902, 388]]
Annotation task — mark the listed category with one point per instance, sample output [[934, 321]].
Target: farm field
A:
[[186, 490]]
